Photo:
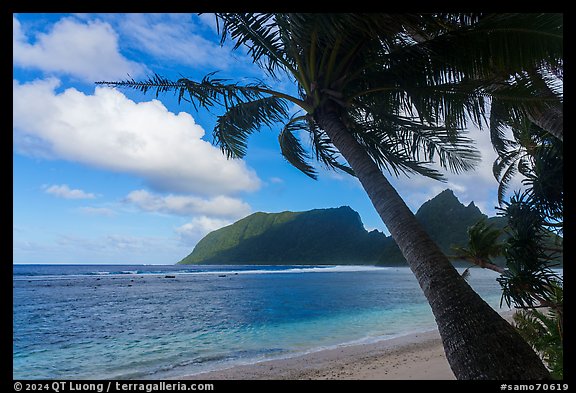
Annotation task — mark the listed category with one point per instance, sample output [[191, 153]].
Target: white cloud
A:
[[219, 206], [110, 244], [191, 232], [114, 248], [97, 211], [108, 130], [151, 32], [209, 20], [478, 185], [88, 51], [63, 191], [276, 180]]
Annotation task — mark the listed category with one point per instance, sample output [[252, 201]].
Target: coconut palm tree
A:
[[372, 90]]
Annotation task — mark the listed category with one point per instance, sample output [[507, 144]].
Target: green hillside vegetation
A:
[[447, 221], [332, 236], [321, 236]]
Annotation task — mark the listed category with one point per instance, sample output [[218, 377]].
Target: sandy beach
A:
[[418, 356]]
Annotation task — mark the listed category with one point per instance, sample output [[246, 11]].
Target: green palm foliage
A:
[[394, 117], [406, 84], [544, 331], [528, 280], [538, 156], [388, 93], [545, 183], [544, 86], [483, 245]]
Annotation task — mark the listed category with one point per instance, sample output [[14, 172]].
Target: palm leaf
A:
[[209, 92], [233, 127], [389, 154], [495, 44], [260, 34], [415, 141], [324, 150], [544, 332], [292, 149]]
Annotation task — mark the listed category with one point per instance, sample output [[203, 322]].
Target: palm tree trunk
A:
[[478, 342]]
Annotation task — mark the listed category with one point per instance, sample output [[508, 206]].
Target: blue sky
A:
[[103, 175]]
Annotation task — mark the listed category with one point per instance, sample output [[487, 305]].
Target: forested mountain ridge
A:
[[330, 236], [320, 236]]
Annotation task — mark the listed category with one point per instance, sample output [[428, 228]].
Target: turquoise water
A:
[[157, 322]]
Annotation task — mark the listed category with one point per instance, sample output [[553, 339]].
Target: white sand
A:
[[418, 356]]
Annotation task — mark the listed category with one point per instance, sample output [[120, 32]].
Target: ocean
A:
[[167, 321]]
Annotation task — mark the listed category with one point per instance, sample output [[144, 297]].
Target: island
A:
[[334, 236]]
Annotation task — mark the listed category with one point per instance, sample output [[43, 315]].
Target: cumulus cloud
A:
[[219, 206], [88, 51], [191, 232], [207, 214], [63, 191], [108, 130]]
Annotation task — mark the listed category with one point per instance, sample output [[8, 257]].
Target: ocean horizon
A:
[[168, 321]]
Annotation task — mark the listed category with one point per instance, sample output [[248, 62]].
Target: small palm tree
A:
[[483, 244], [385, 93]]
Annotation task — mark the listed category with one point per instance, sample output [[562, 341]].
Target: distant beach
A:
[[417, 356]]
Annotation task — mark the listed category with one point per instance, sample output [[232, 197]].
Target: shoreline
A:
[[415, 356]]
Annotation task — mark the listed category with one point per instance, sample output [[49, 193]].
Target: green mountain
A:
[[330, 236], [447, 221], [321, 236]]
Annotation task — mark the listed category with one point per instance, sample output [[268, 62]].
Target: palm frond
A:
[[495, 44], [325, 152], [483, 245], [527, 96], [544, 332], [292, 149], [163, 85], [422, 143], [261, 34], [389, 154], [454, 153], [504, 173], [501, 117], [207, 93], [240, 120]]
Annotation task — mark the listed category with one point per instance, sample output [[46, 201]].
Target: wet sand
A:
[[418, 356]]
